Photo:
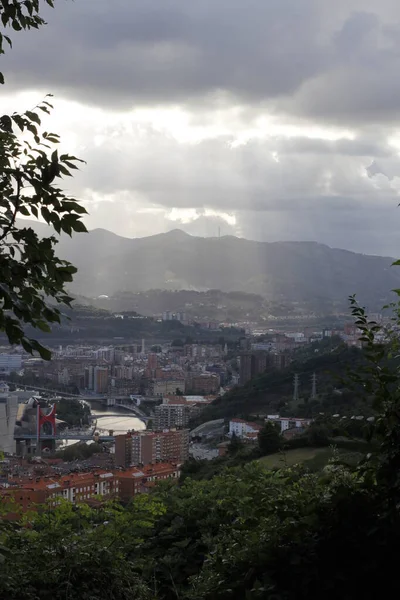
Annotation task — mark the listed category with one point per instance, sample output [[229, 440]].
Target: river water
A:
[[119, 420]]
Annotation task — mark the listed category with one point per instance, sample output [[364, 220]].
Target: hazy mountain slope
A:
[[291, 271]]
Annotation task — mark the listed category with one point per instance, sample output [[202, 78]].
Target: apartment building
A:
[[252, 364], [100, 381], [145, 447], [138, 481], [75, 487], [24, 495], [243, 429], [162, 387], [169, 416], [203, 383]]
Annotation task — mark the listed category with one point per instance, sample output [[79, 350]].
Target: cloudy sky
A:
[[269, 119]]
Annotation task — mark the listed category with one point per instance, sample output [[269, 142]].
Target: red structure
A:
[[46, 425]]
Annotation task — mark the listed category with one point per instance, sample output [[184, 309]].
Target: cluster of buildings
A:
[[21, 492], [200, 369], [157, 371], [248, 431], [178, 316]]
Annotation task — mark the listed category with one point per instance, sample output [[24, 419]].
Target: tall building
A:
[[168, 416], [123, 450], [260, 362], [8, 417], [100, 385], [281, 360], [252, 364], [145, 447], [89, 377], [152, 361], [245, 369], [107, 354]]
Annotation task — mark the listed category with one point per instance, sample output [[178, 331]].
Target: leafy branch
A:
[[31, 273]]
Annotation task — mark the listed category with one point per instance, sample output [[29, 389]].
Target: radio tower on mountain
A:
[[296, 387], [313, 386]]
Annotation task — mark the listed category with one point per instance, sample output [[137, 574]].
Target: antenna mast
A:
[[313, 386]]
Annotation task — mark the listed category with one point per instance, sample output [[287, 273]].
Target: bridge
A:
[[124, 402], [35, 388], [128, 405], [65, 436]]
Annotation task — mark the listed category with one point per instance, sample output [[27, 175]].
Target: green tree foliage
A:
[[33, 278], [77, 553], [79, 451], [235, 444], [269, 439], [74, 412], [272, 392]]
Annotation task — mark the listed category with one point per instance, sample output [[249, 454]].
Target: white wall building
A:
[[242, 428], [288, 422]]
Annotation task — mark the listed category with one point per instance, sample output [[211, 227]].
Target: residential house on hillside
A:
[[243, 429]]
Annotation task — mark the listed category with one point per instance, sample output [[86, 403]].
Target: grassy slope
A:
[[312, 458]]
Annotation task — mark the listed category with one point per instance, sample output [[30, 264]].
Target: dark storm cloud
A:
[[292, 56], [308, 63], [361, 84], [157, 51]]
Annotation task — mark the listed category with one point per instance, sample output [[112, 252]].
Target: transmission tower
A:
[[313, 386], [296, 387]]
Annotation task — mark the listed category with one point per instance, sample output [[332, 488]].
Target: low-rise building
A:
[[243, 429], [163, 387], [203, 383], [138, 481], [286, 423], [74, 487], [85, 487]]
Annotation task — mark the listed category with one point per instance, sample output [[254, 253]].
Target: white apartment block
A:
[[242, 428]]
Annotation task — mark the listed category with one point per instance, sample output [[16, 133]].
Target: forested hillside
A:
[[272, 392], [288, 272]]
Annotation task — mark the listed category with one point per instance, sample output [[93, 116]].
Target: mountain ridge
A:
[[38, 225], [280, 271]]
